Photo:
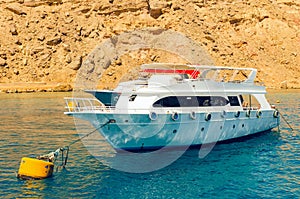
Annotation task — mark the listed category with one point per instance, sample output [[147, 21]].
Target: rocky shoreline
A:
[[34, 87], [44, 42]]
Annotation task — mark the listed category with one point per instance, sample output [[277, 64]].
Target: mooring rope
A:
[[51, 157], [285, 120], [86, 135], [64, 160]]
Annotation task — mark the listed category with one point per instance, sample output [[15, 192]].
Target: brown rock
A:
[[16, 72], [37, 50], [45, 57], [54, 41], [77, 63], [63, 88], [156, 8], [67, 47], [33, 3], [2, 62], [284, 85], [16, 8], [13, 30], [18, 42], [41, 38], [68, 59]]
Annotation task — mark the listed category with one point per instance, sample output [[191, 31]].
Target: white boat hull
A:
[[137, 132]]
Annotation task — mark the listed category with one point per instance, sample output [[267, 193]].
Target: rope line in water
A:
[[64, 160], [51, 157], [285, 120], [86, 135]]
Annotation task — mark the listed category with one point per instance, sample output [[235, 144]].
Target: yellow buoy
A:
[[35, 168]]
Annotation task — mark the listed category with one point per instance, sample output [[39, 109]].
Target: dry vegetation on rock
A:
[[44, 42]]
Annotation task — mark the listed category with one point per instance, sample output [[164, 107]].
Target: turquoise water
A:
[[266, 166]]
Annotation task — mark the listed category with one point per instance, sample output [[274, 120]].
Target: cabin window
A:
[[250, 101], [167, 102], [234, 101], [191, 101], [132, 98]]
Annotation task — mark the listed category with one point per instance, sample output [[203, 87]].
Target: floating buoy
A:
[[43, 166], [32, 168]]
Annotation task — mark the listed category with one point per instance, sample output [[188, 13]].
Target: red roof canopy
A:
[[193, 73]]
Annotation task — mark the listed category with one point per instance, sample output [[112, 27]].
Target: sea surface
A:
[[264, 166]]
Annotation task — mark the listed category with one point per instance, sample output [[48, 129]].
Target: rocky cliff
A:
[[44, 42]]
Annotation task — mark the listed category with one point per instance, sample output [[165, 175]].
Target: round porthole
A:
[[175, 116], [193, 115], [152, 115], [248, 113], [258, 114], [276, 114], [207, 116]]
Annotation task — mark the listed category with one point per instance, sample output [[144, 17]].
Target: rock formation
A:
[[43, 43]]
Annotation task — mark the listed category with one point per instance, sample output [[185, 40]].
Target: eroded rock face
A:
[[50, 40]]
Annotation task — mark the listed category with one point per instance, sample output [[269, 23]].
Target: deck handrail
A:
[[85, 104]]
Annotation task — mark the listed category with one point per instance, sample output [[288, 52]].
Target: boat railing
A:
[[85, 104]]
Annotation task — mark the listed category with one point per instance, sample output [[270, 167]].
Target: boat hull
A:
[[138, 132]]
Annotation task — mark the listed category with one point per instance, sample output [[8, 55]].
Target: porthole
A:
[[207, 116], [152, 115], [276, 114], [237, 114], [258, 114], [175, 116], [248, 113], [193, 115]]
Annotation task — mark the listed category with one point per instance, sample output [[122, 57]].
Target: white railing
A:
[[85, 104]]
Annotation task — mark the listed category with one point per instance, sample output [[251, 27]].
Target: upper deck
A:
[[199, 72]]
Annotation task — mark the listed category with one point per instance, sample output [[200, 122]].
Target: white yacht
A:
[[175, 105]]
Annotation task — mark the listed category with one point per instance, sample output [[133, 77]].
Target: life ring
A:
[[248, 113], [175, 116], [237, 114], [193, 115], [152, 116], [207, 116], [276, 114], [258, 114]]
